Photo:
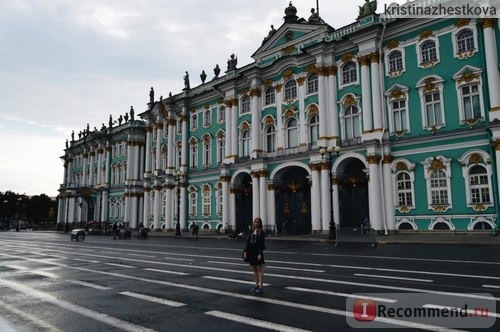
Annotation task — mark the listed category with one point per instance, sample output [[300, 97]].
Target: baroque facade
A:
[[413, 104]]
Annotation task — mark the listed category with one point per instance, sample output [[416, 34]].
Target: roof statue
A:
[[203, 77], [270, 34], [232, 62], [151, 95], [132, 113], [186, 81], [314, 18], [368, 8], [216, 71]]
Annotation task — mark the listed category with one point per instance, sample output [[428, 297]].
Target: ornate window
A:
[[469, 94], [290, 90], [438, 175], [404, 196], [427, 49], [179, 154], [207, 118], [270, 138], [193, 152], [207, 150], [465, 39], [220, 202], [270, 96], [207, 201], [221, 147], [245, 143], [312, 83], [313, 129], [349, 73], [245, 105], [476, 170], [292, 133], [194, 122], [395, 61], [397, 102], [193, 204], [432, 107], [352, 122], [221, 114], [428, 52]]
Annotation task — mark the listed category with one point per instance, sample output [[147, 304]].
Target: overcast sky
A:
[[66, 63]]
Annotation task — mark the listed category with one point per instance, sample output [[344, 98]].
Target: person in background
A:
[[254, 254]]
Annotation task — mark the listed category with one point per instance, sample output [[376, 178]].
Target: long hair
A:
[[257, 226]]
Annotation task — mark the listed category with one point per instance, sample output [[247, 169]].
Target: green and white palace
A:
[[387, 120]]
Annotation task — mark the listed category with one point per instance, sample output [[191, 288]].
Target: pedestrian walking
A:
[[115, 231], [254, 254], [194, 230]]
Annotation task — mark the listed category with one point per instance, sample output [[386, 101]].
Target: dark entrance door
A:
[[293, 202], [353, 194], [244, 204]]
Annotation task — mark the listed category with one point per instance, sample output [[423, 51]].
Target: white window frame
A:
[[399, 166], [290, 131], [313, 129], [220, 202], [193, 151], [193, 204], [207, 202], [397, 93], [429, 169], [431, 84], [343, 84], [468, 53], [207, 151], [469, 160], [395, 73], [355, 119], [194, 122], [312, 83], [207, 118], [431, 63], [270, 96], [245, 105], [245, 143], [290, 92], [469, 76], [221, 149], [270, 136], [221, 114]]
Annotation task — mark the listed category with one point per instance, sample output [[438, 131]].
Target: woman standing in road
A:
[[254, 254]]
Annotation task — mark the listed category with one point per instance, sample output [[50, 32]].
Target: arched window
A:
[[292, 133], [465, 40], [428, 51], [439, 187], [270, 138], [290, 89], [207, 202], [404, 191], [245, 144], [245, 105], [352, 122], [270, 96], [313, 129], [221, 114], [479, 185], [194, 121], [193, 200], [221, 149], [220, 202], [207, 118], [349, 73], [312, 83], [471, 101], [395, 61], [194, 155], [207, 151]]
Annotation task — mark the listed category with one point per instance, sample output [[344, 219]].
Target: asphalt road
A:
[[48, 283]]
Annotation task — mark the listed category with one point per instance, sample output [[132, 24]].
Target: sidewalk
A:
[[424, 237]]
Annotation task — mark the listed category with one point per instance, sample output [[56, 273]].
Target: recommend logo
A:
[[442, 9], [420, 310]]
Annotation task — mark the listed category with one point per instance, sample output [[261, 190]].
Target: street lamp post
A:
[[179, 176], [330, 153]]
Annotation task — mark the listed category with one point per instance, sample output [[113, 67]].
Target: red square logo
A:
[[364, 310]]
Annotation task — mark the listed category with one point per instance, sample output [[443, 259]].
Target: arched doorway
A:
[[353, 193], [244, 211], [293, 201]]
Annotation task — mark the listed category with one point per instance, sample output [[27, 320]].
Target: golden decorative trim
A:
[[425, 34], [268, 120], [436, 164], [429, 84], [404, 209], [401, 166], [479, 207], [255, 93], [245, 126], [373, 159], [397, 94], [171, 122], [267, 83], [313, 110], [288, 50], [193, 110], [476, 158], [346, 57], [278, 87], [288, 73], [149, 129], [392, 44], [311, 69], [363, 60], [462, 22], [158, 125], [495, 109], [387, 159], [244, 91], [289, 113], [206, 107], [332, 70], [301, 80], [349, 100], [255, 174], [468, 77], [374, 57], [439, 208], [315, 167], [263, 173], [487, 22]]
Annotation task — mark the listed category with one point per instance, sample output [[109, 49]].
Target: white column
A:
[[324, 107], [333, 115], [325, 198], [375, 201], [271, 208], [301, 114], [185, 143], [263, 197], [336, 202], [85, 167], [255, 94], [133, 211], [60, 209], [387, 194], [255, 194], [232, 207], [366, 94], [491, 54], [91, 168], [280, 144], [170, 196], [159, 127], [105, 206], [376, 90], [234, 128], [148, 157], [99, 166], [157, 206], [107, 150], [225, 200], [315, 199], [229, 121], [146, 207], [182, 213], [171, 144]]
